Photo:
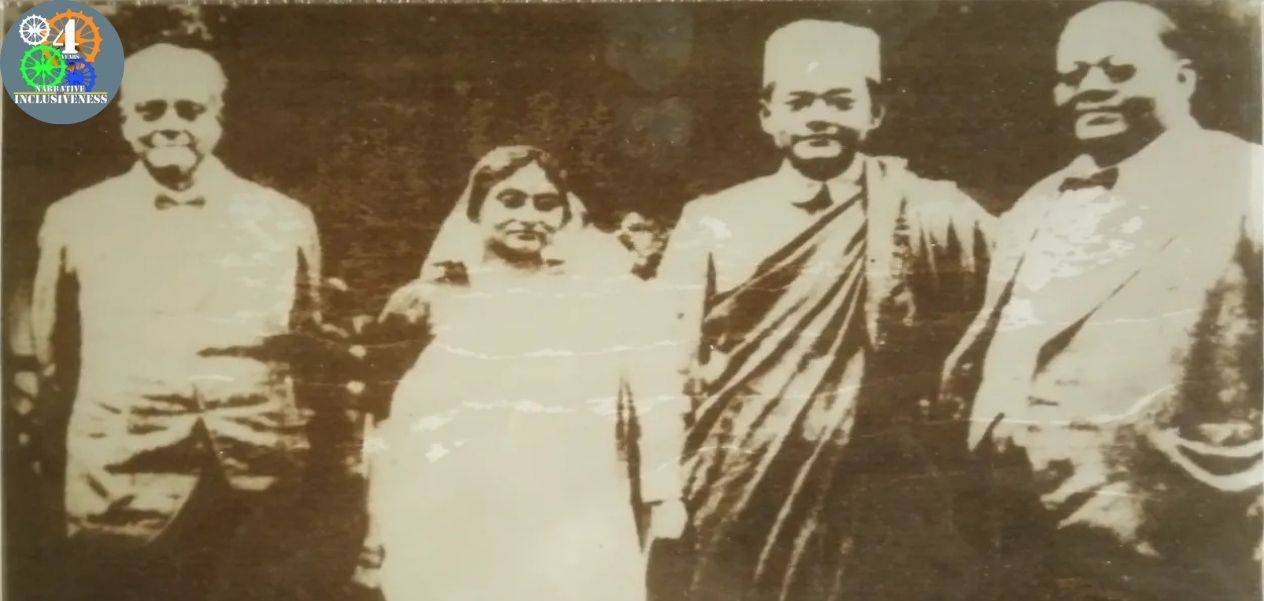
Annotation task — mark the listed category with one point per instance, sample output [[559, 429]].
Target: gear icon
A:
[[87, 36], [43, 66], [34, 30], [80, 73]]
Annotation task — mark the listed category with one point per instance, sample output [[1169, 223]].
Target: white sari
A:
[[499, 475]]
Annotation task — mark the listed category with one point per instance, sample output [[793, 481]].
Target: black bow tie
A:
[[164, 202], [1105, 178], [819, 203]]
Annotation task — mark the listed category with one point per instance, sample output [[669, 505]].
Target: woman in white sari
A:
[[521, 443]]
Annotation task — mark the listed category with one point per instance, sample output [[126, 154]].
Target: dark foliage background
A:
[[373, 115]]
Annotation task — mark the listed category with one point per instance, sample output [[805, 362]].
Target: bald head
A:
[[1118, 74], [167, 69], [1104, 28], [170, 100]]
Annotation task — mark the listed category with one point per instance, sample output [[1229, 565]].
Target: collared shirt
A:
[[737, 229], [159, 285], [1076, 237], [721, 239], [767, 218], [798, 189], [1084, 233], [1084, 230]]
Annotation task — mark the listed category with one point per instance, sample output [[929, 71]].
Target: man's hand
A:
[[668, 519], [409, 303], [39, 386], [368, 568]]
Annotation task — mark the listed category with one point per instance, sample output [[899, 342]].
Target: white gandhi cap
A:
[[812, 49]]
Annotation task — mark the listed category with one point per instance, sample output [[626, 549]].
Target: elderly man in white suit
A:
[[1113, 376], [182, 431]]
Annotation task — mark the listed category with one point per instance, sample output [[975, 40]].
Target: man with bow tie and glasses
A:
[[1114, 371], [184, 427], [808, 306]]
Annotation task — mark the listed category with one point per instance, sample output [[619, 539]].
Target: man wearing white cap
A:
[[183, 269], [810, 304], [1115, 367]]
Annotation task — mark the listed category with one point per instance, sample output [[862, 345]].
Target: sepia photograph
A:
[[861, 300]]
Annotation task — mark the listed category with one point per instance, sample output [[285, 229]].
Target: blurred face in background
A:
[[642, 236], [1118, 84], [522, 212]]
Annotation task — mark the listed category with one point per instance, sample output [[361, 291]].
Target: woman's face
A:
[[522, 212]]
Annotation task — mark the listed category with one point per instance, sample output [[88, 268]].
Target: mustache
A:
[[1090, 102], [532, 230], [842, 135], [157, 140]]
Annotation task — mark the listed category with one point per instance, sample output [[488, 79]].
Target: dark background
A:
[[373, 115]]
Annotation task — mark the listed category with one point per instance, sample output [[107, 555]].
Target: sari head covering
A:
[[461, 242]]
